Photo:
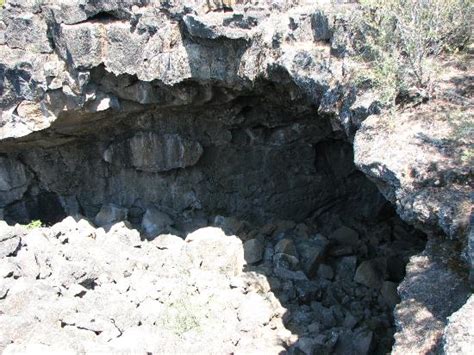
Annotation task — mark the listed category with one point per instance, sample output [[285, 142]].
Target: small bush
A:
[[34, 224], [401, 40]]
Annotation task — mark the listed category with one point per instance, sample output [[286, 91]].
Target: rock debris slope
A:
[[76, 288]]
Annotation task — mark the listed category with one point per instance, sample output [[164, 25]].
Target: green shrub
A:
[[401, 40], [34, 224]]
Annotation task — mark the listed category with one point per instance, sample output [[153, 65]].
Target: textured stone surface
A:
[[152, 153], [431, 291], [190, 111], [458, 337], [74, 287]]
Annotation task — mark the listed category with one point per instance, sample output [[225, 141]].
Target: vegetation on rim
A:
[[401, 42]]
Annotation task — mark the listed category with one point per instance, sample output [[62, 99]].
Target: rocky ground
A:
[[282, 287], [165, 113]]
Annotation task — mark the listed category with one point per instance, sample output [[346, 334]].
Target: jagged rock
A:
[[307, 291], [153, 153], [110, 214], [324, 315], [230, 225], [371, 273], [389, 293], [346, 268], [155, 222], [325, 271], [211, 249], [458, 337], [311, 254], [357, 342], [254, 312], [202, 113], [345, 236], [13, 180], [124, 233], [253, 251], [168, 241], [286, 246], [305, 345], [9, 246], [430, 292]]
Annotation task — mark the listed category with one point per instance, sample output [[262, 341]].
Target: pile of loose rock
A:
[[76, 288]]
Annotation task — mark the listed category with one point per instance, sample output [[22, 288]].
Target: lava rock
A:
[[325, 272], [253, 251], [162, 153], [110, 214], [458, 337], [345, 236], [307, 291], [389, 293], [286, 246], [371, 273], [346, 267], [358, 341], [324, 315], [155, 222], [211, 249], [311, 253], [168, 241]]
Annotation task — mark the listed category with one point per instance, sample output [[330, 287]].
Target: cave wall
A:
[[251, 157]]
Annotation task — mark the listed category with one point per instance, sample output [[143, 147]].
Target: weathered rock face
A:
[[165, 114], [152, 153], [143, 107]]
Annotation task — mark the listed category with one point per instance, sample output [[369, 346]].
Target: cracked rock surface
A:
[[281, 287], [74, 288]]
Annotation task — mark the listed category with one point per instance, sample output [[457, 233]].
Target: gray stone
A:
[[286, 246], [389, 293], [371, 273], [324, 315], [325, 272], [110, 214], [282, 260], [13, 180], [311, 254], [322, 30], [357, 342], [155, 222], [211, 249], [9, 246], [349, 321], [230, 225], [458, 337], [28, 32], [345, 236], [430, 292], [253, 251], [346, 268], [168, 241], [305, 345], [253, 312], [153, 153]]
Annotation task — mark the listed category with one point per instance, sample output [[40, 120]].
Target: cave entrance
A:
[[263, 167], [44, 206]]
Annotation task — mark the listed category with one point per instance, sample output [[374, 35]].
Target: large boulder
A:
[[211, 249]]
